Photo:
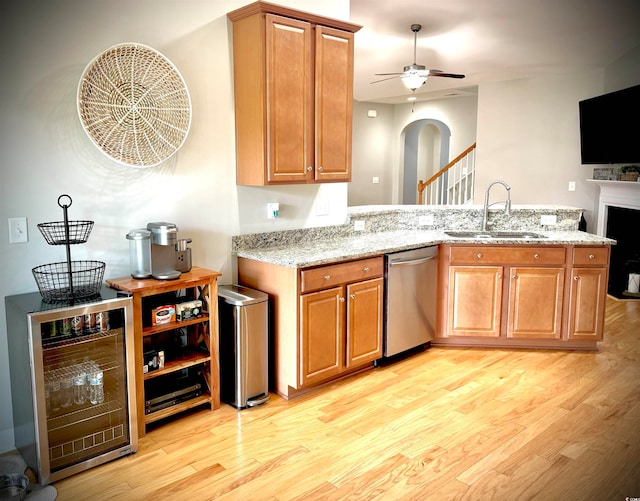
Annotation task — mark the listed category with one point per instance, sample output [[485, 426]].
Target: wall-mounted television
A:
[[610, 128]]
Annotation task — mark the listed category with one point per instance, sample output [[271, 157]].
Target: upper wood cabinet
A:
[[293, 92]]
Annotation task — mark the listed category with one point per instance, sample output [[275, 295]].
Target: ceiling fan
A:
[[415, 74]]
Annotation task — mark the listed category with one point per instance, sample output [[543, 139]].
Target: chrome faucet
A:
[[507, 204]]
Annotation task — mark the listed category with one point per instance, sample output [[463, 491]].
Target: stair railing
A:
[[453, 184]]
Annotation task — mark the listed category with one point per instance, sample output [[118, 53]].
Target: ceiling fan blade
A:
[[415, 73], [442, 74], [388, 78]]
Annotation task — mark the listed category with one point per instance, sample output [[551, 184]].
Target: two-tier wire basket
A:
[[70, 279]]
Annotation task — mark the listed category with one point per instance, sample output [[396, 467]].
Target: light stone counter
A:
[[397, 228]]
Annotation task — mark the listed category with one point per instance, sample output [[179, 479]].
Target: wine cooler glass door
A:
[[83, 387]]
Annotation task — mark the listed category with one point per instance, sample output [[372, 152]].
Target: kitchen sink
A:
[[526, 235]]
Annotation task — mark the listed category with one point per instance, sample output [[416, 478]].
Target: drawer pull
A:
[[514, 276], [479, 255], [576, 277], [320, 169], [366, 268], [341, 299], [352, 296], [309, 169], [536, 256], [327, 277], [592, 257]]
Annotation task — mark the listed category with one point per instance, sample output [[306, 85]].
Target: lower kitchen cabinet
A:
[[475, 301], [589, 278], [327, 320], [340, 328], [535, 302], [516, 295]]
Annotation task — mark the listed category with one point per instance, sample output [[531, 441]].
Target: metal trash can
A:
[[244, 346]]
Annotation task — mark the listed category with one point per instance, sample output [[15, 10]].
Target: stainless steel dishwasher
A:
[[410, 299]]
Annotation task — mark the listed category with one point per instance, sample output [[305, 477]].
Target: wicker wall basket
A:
[[134, 105]]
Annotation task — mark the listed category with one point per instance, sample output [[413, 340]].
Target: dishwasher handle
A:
[[411, 262]]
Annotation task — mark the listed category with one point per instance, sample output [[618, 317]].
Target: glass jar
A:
[[54, 392], [47, 396], [66, 389]]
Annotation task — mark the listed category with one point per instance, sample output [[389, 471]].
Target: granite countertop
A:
[[394, 229], [330, 250]]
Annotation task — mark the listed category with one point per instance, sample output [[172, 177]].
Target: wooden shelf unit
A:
[[204, 284]]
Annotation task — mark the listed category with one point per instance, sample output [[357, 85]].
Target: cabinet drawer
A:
[[596, 256], [507, 255], [336, 274]]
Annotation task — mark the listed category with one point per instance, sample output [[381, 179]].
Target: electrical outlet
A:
[[358, 225], [375, 180], [18, 230], [548, 219], [572, 186], [426, 220], [322, 207]]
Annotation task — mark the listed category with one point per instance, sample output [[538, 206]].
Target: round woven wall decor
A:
[[134, 105]]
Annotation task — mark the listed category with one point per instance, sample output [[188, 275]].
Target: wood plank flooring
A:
[[445, 424]]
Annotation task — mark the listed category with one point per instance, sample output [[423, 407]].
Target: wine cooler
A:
[[72, 381]]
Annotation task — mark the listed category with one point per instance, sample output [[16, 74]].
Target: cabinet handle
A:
[[536, 256], [327, 277], [576, 277], [320, 168], [352, 296], [499, 275], [341, 299], [309, 169], [366, 268], [479, 255], [592, 257], [514, 276]]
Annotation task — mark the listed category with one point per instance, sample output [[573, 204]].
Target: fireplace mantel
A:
[[618, 194]]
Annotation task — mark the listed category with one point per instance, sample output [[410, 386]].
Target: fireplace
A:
[[619, 219], [623, 225]]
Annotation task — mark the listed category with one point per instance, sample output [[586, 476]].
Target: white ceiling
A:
[[487, 40]]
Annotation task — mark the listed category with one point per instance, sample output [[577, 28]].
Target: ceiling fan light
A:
[[413, 81]]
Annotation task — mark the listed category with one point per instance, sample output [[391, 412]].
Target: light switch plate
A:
[[18, 233]]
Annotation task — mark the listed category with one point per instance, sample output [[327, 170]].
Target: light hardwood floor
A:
[[448, 423]]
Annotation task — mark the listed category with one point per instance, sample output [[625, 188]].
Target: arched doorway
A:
[[426, 151]]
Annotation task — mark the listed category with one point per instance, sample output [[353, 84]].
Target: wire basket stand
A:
[[71, 279]]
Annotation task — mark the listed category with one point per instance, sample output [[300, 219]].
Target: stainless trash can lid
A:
[[238, 295]]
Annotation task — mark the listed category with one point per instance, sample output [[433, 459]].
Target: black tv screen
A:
[[610, 128]]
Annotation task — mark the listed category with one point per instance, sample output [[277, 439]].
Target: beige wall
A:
[[44, 151]]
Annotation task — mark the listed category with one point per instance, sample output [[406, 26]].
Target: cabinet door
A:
[[334, 102], [322, 321], [290, 95], [364, 322], [587, 303], [475, 301], [535, 302]]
